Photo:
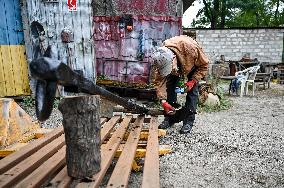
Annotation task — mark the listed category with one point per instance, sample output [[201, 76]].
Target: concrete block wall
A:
[[264, 44]]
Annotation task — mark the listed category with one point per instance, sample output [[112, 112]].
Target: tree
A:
[[240, 13]]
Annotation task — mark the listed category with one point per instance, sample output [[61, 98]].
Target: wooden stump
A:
[[81, 122]]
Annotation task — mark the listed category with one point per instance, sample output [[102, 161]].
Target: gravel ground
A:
[[239, 147], [53, 121]]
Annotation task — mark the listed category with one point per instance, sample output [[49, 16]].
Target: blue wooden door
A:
[[13, 64]]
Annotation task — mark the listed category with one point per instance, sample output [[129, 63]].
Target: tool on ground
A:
[[49, 71]]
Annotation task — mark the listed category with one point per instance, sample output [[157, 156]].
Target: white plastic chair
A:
[[248, 78]]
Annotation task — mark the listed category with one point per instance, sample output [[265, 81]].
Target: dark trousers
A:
[[187, 112]]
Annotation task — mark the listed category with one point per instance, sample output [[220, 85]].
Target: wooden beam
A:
[[26, 166], [108, 152], [151, 177], [103, 120], [109, 126], [39, 133], [44, 171], [141, 152], [11, 149], [121, 172], [13, 159], [61, 180]]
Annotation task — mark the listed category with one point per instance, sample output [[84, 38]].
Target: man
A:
[[180, 58]]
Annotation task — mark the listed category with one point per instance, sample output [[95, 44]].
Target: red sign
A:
[[72, 5]]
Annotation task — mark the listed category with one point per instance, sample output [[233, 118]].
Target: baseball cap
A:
[[163, 59]]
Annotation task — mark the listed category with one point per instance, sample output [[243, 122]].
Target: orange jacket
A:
[[190, 57]]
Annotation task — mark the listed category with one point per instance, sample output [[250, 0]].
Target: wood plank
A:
[[103, 120], [109, 126], [11, 149], [25, 167], [15, 158], [14, 50], [108, 152], [145, 133], [47, 169], [23, 64], [121, 172], [151, 177], [61, 180], [8, 70], [39, 133], [3, 85], [141, 151]]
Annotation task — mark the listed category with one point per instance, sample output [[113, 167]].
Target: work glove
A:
[[168, 109], [189, 85]]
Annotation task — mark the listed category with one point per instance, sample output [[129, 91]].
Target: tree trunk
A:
[[215, 14], [81, 122], [223, 14], [276, 20]]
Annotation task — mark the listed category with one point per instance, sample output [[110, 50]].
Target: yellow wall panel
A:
[[14, 71], [25, 72], [3, 89]]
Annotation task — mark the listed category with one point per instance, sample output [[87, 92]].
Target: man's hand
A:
[[168, 109], [190, 84]]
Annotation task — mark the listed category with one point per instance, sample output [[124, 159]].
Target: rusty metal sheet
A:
[[118, 50]]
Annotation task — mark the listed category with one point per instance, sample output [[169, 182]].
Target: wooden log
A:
[[81, 122]]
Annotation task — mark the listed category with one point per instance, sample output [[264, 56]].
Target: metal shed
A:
[[126, 33], [68, 25], [13, 64]]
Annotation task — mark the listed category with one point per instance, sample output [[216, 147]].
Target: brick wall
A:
[[264, 44]]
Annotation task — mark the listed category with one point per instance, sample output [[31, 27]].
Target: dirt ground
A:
[[239, 147]]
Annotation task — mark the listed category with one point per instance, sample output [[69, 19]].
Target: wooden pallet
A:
[[42, 162], [36, 134]]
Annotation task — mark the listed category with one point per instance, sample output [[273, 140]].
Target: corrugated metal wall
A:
[[124, 55], [44, 21], [13, 64]]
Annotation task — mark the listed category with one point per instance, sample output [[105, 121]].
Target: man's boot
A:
[[187, 126], [166, 123]]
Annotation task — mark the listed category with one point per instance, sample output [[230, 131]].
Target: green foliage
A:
[[28, 101], [102, 77], [56, 102], [225, 102], [240, 13]]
